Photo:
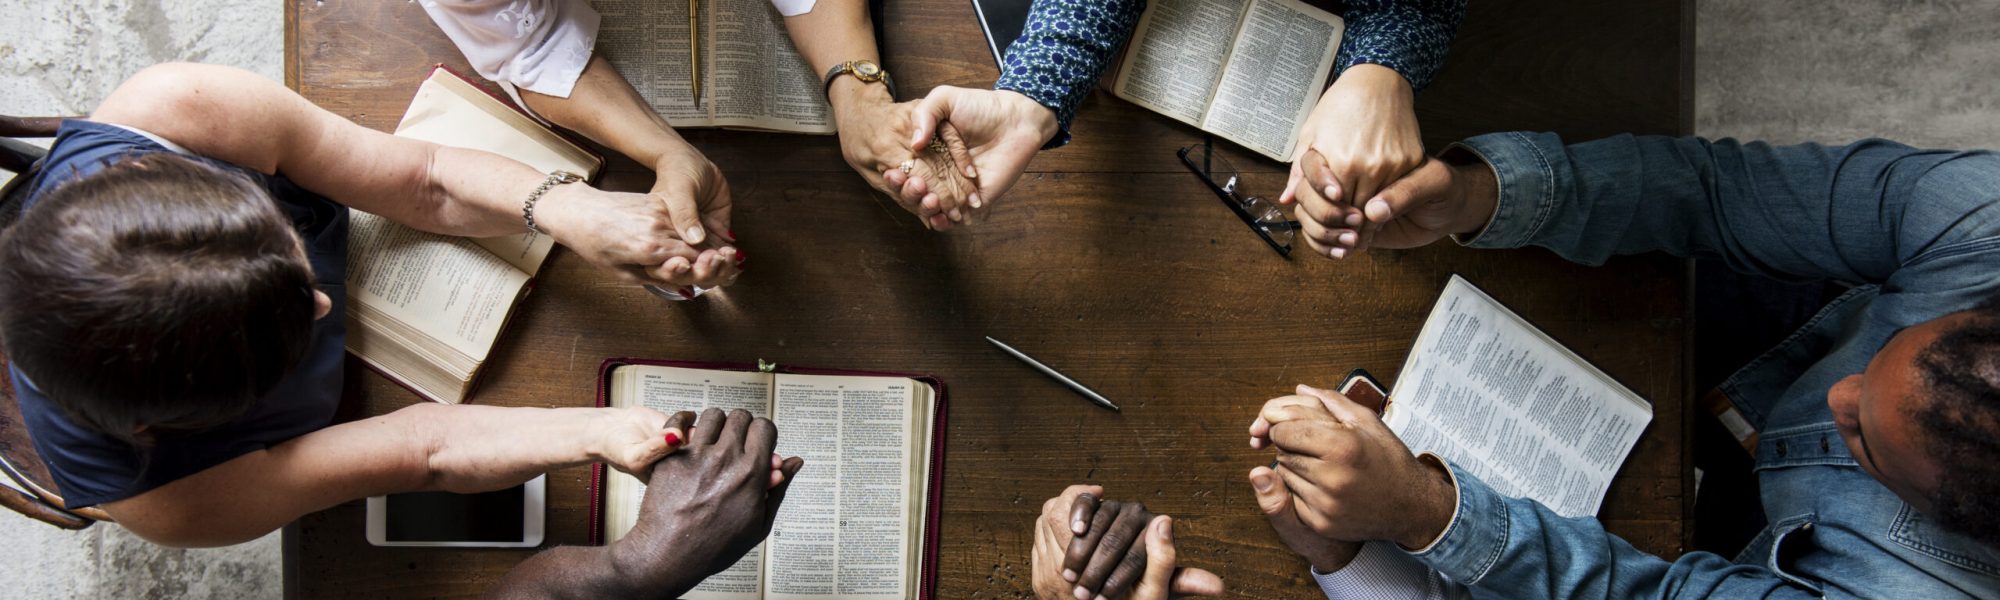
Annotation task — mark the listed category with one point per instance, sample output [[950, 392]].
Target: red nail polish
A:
[[732, 234], [687, 292], [740, 254], [673, 440]]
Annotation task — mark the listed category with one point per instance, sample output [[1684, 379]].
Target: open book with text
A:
[[752, 77], [859, 521], [1501, 399], [424, 309], [1246, 70]]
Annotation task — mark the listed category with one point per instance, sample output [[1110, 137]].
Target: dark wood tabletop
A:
[[1109, 260]]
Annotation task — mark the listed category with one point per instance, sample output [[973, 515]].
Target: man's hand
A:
[[1277, 502], [991, 134], [1086, 549], [705, 506], [633, 236], [1352, 478], [1360, 136]]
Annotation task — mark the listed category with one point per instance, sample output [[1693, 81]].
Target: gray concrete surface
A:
[[1780, 70]]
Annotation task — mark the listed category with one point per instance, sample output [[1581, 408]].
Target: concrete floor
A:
[[1779, 70]]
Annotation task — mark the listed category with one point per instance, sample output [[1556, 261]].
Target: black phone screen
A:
[[494, 516]]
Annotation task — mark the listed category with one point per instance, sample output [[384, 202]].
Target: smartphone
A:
[[1365, 390], [509, 518]]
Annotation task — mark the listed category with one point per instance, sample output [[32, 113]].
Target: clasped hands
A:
[[964, 148]]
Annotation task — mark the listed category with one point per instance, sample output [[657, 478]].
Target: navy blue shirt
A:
[[91, 468]]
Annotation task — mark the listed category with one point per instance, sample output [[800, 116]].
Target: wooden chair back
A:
[[28, 488]]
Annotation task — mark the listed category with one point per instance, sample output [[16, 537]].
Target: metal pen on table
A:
[[1088, 393], [694, 48]]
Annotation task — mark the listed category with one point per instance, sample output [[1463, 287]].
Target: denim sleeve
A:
[[1064, 47], [1517, 548], [1873, 212], [1409, 36]]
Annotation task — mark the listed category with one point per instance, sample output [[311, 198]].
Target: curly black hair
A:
[[1962, 423]]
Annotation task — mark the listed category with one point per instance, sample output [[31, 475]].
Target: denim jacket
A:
[[1916, 233]]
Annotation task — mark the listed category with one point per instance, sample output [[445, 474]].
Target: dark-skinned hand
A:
[[708, 504], [1102, 550]]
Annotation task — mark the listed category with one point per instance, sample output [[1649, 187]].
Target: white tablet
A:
[[509, 518]]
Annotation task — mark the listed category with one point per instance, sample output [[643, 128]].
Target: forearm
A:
[[477, 448], [838, 31], [604, 107], [585, 572]]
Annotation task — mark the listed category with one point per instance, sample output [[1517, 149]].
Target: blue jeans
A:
[[1916, 234]]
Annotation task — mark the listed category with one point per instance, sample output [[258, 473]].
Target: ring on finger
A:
[[907, 165]]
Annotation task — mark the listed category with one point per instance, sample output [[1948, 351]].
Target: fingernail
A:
[[1078, 527], [673, 440], [1166, 527], [1347, 238], [1101, 597], [1069, 575], [1354, 220], [732, 235], [974, 198], [968, 171], [687, 291], [694, 235], [1331, 190], [1378, 204], [1261, 482], [1082, 594], [1338, 253], [739, 256], [955, 217]]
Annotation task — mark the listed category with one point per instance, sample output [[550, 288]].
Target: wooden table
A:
[[1108, 260]]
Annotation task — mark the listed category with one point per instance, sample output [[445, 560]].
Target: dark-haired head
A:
[[1924, 419], [159, 293]]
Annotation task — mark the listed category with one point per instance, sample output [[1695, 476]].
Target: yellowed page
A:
[[1177, 56], [670, 390], [447, 287], [1276, 71], [844, 530]]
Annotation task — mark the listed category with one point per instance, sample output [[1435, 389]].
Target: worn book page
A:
[[1177, 54], [670, 390], [760, 80], [844, 529], [1494, 395], [447, 287], [1275, 74], [648, 42]]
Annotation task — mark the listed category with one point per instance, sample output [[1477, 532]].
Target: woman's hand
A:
[[632, 439], [633, 235], [875, 134], [1087, 549], [1364, 134], [990, 135]]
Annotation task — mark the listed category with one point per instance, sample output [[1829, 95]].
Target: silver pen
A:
[[1092, 395]]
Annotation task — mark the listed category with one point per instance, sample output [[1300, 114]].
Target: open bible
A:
[[1501, 399], [859, 521], [424, 309], [752, 77], [1246, 70]]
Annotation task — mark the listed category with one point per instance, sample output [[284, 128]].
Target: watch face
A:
[[866, 69]]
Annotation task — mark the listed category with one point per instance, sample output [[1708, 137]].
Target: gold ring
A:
[[906, 166]]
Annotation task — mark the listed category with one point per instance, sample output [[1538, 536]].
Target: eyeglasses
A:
[[1262, 216]]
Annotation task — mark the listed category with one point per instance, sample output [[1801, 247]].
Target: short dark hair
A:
[[1962, 423], [159, 291]]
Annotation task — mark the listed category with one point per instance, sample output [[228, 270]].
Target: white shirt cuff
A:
[[793, 8], [1381, 572]]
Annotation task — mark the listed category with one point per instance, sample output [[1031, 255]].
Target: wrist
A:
[[556, 210], [1038, 115], [1377, 79], [848, 94], [1437, 506], [1479, 196]]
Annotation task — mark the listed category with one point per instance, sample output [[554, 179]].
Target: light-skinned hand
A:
[[706, 505], [874, 133], [1360, 136], [634, 236], [991, 135]]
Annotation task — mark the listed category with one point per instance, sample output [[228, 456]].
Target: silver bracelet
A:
[[555, 178]]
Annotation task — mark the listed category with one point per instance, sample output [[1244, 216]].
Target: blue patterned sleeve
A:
[[1409, 36], [1063, 49]]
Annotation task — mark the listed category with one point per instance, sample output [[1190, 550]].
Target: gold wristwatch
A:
[[864, 70]]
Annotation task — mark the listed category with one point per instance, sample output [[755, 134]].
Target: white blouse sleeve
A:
[[793, 8], [538, 45]]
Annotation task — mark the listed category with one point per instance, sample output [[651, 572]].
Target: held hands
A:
[[1361, 136], [874, 139], [642, 238], [707, 505], [1350, 477], [991, 134], [1085, 549]]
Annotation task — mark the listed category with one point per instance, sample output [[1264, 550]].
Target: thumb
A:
[[1163, 577], [1403, 195], [934, 108], [685, 215], [1272, 496]]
